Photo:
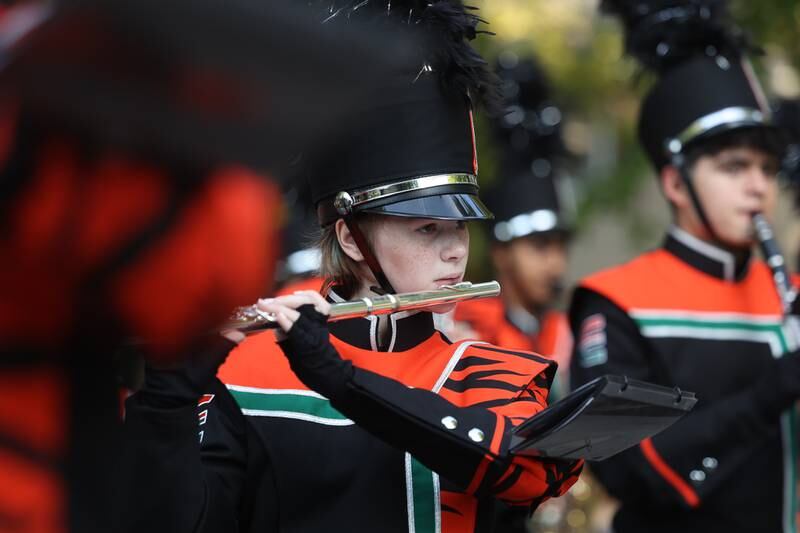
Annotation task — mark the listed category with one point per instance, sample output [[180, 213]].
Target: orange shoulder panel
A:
[[555, 339], [486, 316], [482, 312], [259, 362], [621, 283], [659, 280]]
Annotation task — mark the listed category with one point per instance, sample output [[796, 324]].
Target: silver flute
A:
[[251, 319]]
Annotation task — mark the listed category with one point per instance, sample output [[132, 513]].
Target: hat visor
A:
[[455, 206]]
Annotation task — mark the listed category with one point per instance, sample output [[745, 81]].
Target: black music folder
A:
[[601, 418]]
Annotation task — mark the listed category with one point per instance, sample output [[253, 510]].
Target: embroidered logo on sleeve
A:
[[202, 416], [205, 399], [592, 348]]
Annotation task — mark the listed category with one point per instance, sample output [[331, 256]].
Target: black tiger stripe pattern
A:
[[493, 379]]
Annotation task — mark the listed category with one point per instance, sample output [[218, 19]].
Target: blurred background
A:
[[610, 188]]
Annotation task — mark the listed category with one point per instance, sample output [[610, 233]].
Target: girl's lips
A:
[[452, 280]]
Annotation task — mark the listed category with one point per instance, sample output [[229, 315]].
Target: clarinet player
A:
[[700, 312]]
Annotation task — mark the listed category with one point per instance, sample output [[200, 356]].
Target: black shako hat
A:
[[706, 85], [701, 98], [525, 205], [528, 133], [410, 150]]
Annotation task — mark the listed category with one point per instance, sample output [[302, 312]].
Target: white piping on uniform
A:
[[452, 363], [373, 332], [298, 416], [393, 326], [410, 495]]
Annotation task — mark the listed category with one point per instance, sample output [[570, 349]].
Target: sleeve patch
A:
[[205, 399], [592, 345]]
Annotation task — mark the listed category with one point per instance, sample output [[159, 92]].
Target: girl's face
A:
[[419, 254]]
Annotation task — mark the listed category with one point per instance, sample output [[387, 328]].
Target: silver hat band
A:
[[733, 116], [526, 224], [345, 202]]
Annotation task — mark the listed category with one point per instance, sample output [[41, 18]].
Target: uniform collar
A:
[[407, 329], [712, 260]]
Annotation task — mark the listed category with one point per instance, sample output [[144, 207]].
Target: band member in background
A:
[[529, 233], [529, 236], [367, 424], [700, 312]]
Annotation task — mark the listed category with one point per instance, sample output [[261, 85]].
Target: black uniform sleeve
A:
[[466, 445], [658, 471], [180, 487], [189, 462]]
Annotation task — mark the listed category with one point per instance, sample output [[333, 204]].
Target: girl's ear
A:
[[346, 241]]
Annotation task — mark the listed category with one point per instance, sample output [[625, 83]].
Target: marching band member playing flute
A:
[[700, 312], [368, 424]]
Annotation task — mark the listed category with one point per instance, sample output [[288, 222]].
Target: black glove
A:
[[182, 385], [313, 358], [779, 387]]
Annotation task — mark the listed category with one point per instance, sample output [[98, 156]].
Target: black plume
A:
[[786, 115], [530, 126], [663, 33], [446, 27]]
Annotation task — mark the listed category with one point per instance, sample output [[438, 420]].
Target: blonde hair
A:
[[336, 267]]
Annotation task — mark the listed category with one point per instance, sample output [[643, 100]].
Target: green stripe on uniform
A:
[[423, 498], [423, 494], [269, 401], [725, 324], [771, 332], [789, 423], [739, 329]]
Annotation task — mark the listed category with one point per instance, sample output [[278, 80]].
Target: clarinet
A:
[[774, 258]]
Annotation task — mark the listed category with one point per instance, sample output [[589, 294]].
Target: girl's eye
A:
[[427, 228]]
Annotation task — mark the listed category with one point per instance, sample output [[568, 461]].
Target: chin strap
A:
[[679, 162], [369, 257]]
